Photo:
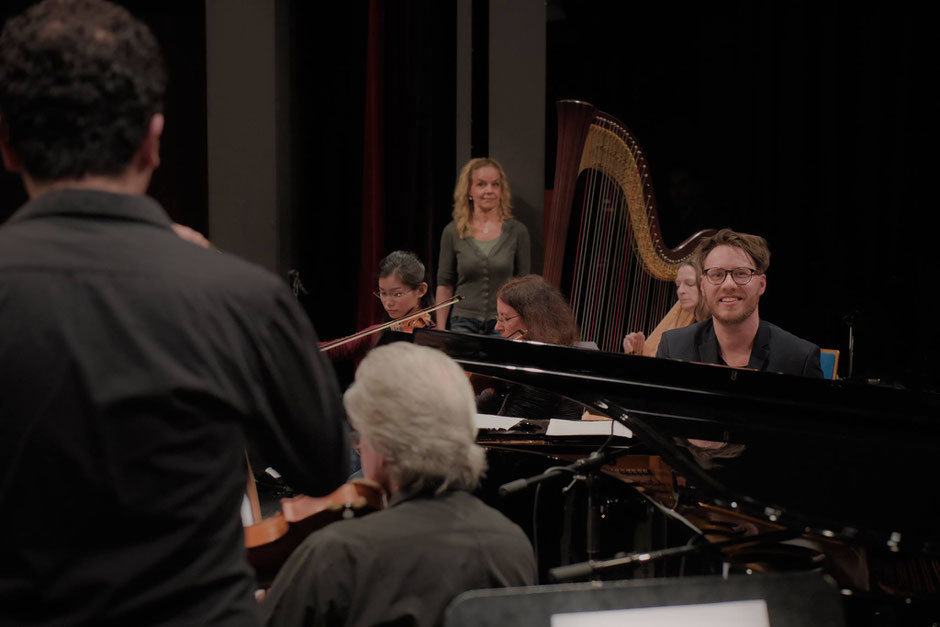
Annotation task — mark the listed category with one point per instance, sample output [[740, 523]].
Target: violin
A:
[[408, 321], [271, 541], [409, 326]]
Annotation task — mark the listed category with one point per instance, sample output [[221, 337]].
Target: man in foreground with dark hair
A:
[[733, 267], [135, 364], [415, 414]]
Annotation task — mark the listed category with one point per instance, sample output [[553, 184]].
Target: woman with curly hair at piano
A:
[[481, 248], [690, 308], [532, 309]]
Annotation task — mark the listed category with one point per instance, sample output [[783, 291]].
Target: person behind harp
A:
[[403, 291], [689, 309]]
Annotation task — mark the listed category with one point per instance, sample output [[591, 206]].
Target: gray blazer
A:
[[775, 350]]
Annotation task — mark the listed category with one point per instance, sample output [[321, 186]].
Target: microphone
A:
[[594, 460], [513, 486]]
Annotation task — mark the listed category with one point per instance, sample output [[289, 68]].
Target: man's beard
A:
[[734, 319]]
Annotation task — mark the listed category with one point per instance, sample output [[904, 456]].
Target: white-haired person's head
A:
[[415, 412]]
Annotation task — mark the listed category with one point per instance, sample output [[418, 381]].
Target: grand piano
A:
[[769, 470]]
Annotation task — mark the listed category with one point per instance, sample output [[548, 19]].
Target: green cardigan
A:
[[477, 277]]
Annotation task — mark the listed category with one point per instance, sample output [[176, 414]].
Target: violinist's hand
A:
[[633, 343], [191, 235]]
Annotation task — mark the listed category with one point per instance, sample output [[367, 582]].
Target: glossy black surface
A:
[[845, 459]]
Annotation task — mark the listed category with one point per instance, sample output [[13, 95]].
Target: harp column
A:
[[514, 118]]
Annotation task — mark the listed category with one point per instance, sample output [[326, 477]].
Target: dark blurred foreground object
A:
[[778, 600]]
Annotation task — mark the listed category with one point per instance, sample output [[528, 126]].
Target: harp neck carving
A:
[[604, 246]]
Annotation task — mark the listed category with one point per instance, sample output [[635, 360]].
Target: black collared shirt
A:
[[134, 364]]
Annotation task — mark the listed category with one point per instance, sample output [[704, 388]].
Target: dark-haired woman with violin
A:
[[403, 290]]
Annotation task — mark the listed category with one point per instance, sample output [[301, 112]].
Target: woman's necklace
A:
[[485, 227]]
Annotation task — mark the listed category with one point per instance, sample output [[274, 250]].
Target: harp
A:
[[607, 253]]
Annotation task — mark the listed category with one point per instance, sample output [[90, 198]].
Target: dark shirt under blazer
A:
[[775, 350]]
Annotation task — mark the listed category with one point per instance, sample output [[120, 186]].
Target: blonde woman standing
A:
[[481, 248]]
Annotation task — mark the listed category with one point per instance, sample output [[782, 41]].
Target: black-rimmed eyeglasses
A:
[[741, 276]]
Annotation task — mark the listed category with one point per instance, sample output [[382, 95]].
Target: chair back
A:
[[829, 362]]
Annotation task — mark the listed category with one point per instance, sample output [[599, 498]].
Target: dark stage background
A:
[[802, 122], [808, 123], [181, 182]]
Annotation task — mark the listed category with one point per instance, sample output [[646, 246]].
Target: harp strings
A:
[[611, 292]]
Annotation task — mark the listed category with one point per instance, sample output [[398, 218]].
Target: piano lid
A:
[[836, 458]]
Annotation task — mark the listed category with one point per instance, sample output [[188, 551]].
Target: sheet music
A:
[[490, 421], [586, 427], [556, 427], [740, 613]]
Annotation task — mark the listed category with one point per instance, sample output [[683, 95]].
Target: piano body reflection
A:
[[842, 471]]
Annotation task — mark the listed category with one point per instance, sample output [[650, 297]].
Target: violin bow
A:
[[382, 327]]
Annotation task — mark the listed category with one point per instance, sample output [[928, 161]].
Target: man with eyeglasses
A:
[[733, 279]]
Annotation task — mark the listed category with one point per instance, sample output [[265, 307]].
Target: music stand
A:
[[792, 600]]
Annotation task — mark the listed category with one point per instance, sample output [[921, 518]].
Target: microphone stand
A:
[[849, 319], [584, 469], [593, 461], [592, 568]]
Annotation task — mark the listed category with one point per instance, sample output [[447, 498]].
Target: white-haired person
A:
[[404, 564]]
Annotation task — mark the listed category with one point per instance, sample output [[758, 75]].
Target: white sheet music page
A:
[[587, 427], [737, 613], [489, 421]]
